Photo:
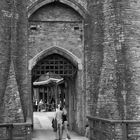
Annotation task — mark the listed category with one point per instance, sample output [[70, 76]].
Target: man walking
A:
[[58, 117]]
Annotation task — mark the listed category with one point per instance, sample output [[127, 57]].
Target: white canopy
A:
[[50, 80]]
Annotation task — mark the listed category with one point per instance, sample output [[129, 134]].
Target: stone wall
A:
[[83, 3], [19, 54], [55, 12], [14, 49], [107, 42], [131, 22], [111, 72], [13, 64], [94, 38], [58, 25], [120, 69], [12, 103], [5, 33]]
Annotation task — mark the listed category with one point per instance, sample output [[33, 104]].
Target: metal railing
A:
[[16, 131], [107, 129]]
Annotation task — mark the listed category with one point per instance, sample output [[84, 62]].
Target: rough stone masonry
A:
[[105, 38]]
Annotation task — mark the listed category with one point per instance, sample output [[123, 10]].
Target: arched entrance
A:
[[59, 23], [53, 80]]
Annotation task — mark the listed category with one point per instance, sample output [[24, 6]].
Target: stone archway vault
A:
[[58, 50], [72, 3], [68, 55]]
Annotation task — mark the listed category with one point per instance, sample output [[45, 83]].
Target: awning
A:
[[50, 80]]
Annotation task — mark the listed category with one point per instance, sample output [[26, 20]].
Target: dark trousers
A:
[[36, 106]]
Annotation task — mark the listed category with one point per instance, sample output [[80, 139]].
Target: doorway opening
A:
[[53, 83]]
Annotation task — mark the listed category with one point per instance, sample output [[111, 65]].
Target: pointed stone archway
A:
[[72, 3], [67, 54], [69, 85], [80, 20]]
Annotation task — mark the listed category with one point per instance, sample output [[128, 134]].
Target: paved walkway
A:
[[43, 128]]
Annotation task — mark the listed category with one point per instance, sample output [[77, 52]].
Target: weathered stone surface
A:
[[47, 34], [12, 102], [5, 34], [94, 37], [10, 109], [57, 25], [14, 48], [20, 55], [109, 96], [106, 41], [83, 3], [56, 12], [131, 19]]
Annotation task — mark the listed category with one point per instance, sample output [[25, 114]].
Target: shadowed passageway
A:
[[43, 128]]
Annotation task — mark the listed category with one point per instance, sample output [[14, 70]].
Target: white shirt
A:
[[59, 116]]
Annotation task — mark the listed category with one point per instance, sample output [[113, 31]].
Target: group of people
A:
[[43, 105], [38, 106], [60, 122]]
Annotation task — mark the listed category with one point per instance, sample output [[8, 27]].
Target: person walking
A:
[[87, 130], [65, 123], [40, 105], [58, 117], [36, 105]]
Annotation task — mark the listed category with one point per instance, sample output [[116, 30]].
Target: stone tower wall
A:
[[14, 60], [107, 42], [59, 25]]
